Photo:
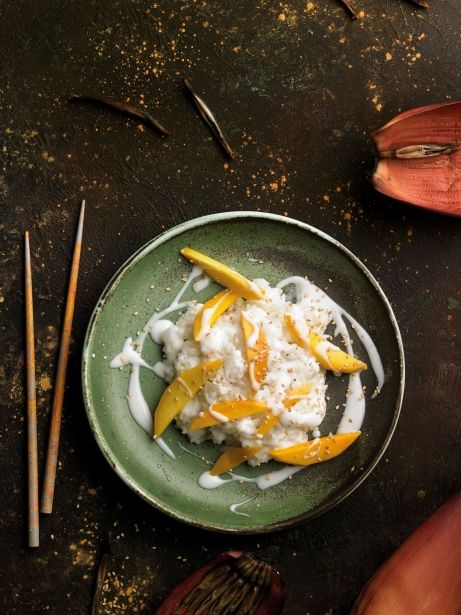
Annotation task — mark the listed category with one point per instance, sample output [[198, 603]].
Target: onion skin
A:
[[423, 577]]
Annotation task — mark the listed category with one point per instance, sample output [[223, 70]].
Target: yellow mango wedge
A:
[[211, 311], [269, 421], [232, 458], [257, 353], [231, 409], [332, 357], [314, 451], [295, 395], [298, 336], [180, 391], [223, 275]]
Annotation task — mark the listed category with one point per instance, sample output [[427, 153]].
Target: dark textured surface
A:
[[298, 88]]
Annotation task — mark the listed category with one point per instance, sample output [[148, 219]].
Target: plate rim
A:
[[90, 411]]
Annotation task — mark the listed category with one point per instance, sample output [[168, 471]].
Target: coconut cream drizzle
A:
[[302, 331], [207, 315], [233, 507], [354, 411], [129, 356], [165, 448], [158, 329], [251, 343], [254, 335], [263, 481], [137, 404], [160, 370], [156, 326], [201, 284], [322, 349]]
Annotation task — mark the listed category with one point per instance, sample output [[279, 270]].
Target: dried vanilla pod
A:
[[210, 120], [232, 583], [123, 107]]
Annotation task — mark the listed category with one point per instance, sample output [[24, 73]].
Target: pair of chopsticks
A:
[[58, 394]]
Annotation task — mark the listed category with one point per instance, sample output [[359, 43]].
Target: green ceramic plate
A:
[[257, 245]]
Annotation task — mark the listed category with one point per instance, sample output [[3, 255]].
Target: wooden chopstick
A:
[[59, 387], [32, 464]]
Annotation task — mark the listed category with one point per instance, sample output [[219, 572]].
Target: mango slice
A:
[[270, 420], [223, 275], [332, 357], [231, 409], [295, 395], [314, 451], [232, 458], [294, 329], [257, 351], [211, 311], [180, 391]]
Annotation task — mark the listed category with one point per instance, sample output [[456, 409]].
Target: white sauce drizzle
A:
[[139, 409], [207, 315], [201, 284], [165, 448], [207, 481], [233, 507], [303, 332], [253, 338], [372, 351], [278, 476], [158, 328], [136, 402], [160, 370], [128, 356], [264, 481], [186, 450], [322, 349], [250, 343], [354, 410]]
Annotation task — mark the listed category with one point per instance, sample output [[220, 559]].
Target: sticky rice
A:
[[289, 366]]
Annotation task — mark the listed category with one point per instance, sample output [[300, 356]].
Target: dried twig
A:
[[123, 107], [210, 120]]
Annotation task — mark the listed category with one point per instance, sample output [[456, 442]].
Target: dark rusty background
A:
[[299, 87]]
